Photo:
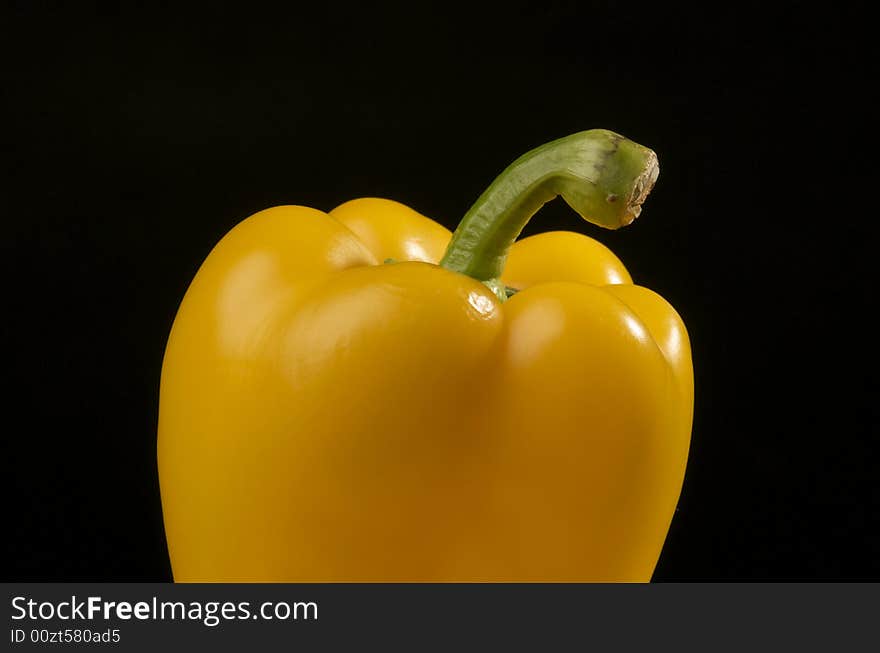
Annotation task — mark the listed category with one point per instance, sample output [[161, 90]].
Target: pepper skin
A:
[[329, 415]]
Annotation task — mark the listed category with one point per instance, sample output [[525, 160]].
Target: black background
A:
[[134, 139]]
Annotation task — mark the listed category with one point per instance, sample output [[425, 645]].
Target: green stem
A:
[[601, 175]]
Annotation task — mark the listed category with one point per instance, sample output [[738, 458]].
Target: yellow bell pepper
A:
[[362, 396]]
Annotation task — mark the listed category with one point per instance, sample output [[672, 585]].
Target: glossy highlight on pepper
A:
[[478, 408]]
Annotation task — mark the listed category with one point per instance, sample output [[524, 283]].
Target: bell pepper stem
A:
[[601, 175]]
